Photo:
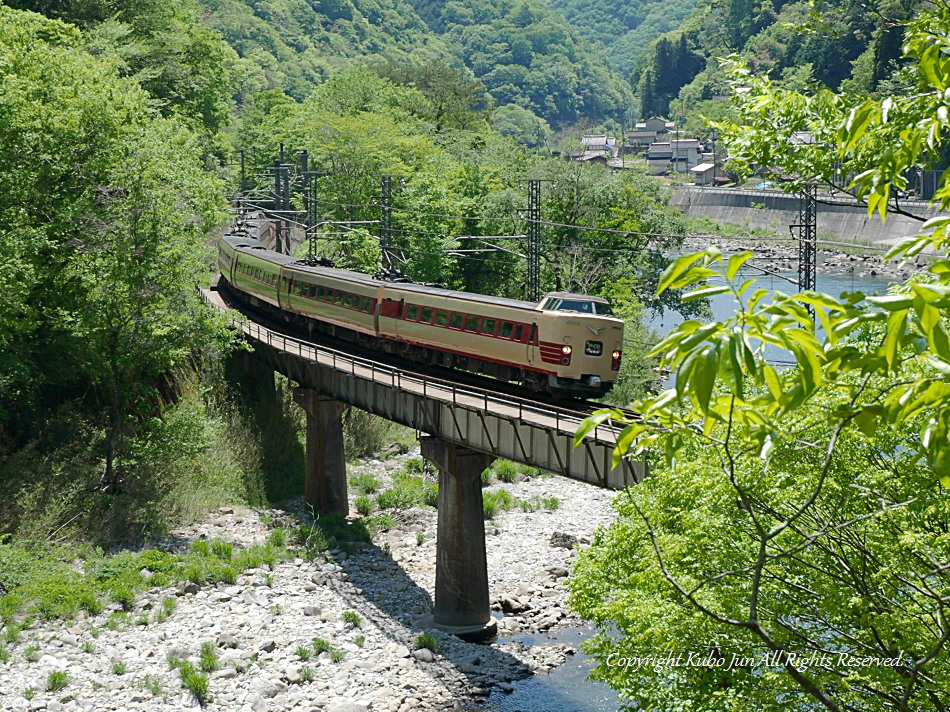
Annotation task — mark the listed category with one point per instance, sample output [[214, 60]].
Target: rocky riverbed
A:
[[783, 257], [258, 625]]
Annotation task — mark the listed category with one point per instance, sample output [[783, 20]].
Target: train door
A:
[[532, 345], [284, 285]]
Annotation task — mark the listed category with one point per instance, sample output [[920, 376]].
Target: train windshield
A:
[[579, 305]]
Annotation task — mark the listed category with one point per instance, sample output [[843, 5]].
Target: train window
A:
[[471, 323], [456, 321], [575, 305], [488, 327], [348, 300], [427, 315], [313, 291], [337, 297], [321, 293], [366, 305], [441, 317], [519, 332], [506, 329], [601, 308], [413, 312]]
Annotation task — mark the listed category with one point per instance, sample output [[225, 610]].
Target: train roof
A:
[[250, 245]]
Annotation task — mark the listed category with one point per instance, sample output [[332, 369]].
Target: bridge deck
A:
[[534, 434]]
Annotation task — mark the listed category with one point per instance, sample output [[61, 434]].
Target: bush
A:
[[222, 549], [408, 491], [505, 470], [365, 434]]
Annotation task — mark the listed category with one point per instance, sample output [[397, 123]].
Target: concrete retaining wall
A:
[[775, 211]]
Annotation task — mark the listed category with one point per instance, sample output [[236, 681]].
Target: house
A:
[[599, 142], [679, 154], [646, 132], [704, 174]]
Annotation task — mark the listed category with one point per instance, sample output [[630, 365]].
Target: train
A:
[[566, 344]]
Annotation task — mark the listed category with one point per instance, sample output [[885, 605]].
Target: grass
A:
[[43, 582], [427, 641], [208, 660], [4, 653], [359, 640], [153, 684], [364, 505], [119, 667], [12, 633], [306, 673], [88, 647], [409, 490], [32, 653], [365, 483], [193, 681], [333, 531], [353, 617], [508, 472], [304, 653], [57, 680], [496, 501], [323, 646]]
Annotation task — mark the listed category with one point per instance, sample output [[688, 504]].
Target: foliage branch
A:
[[802, 509]]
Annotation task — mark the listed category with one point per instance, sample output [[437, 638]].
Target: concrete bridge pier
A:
[[254, 378], [325, 464], [462, 605]]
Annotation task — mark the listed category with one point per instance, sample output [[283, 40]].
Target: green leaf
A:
[[595, 419], [892, 341], [675, 269], [736, 262], [857, 123], [704, 377]]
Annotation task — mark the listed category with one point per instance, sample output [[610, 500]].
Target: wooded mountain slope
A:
[[623, 30]]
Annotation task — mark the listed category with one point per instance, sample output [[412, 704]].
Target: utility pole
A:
[[386, 219], [534, 239], [807, 234]]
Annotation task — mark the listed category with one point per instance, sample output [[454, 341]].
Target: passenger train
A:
[[566, 344]]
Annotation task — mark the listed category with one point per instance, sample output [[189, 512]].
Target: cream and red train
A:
[[567, 344]]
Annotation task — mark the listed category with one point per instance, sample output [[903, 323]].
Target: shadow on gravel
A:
[[401, 608]]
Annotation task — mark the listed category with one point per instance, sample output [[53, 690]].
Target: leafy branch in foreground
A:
[[794, 536]]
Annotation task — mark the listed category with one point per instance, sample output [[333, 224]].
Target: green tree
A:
[[798, 510], [103, 204]]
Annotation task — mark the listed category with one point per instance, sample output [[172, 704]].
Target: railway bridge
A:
[[466, 427]]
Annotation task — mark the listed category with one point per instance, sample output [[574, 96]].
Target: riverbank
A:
[[367, 607]]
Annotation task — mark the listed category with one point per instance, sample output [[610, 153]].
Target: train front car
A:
[[581, 340]]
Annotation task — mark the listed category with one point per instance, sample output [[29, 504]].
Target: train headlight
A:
[[615, 359], [567, 350]]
